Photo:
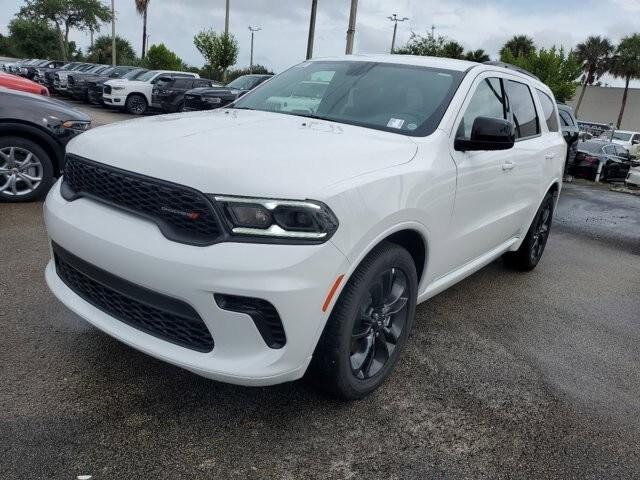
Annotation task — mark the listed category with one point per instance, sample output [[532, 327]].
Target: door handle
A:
[[508, 165], [550, 156]]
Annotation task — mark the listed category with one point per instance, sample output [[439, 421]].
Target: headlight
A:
[[117, 88], [306, 220], [214, 100], [77, 125]]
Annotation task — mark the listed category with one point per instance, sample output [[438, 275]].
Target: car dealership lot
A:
[[506, 375]]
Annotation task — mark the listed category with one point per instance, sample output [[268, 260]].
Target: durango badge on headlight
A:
[[278, 219]]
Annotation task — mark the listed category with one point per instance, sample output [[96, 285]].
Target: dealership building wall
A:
[[602, 104]]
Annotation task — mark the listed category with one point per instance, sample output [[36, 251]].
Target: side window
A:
[[182, 83], [565, 118], [635, 139], [487, 101], [549, 111], [522, 110]]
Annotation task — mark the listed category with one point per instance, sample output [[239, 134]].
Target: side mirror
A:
[[488, 133], [635, 142]]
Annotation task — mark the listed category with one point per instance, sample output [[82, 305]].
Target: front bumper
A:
[[114, 99], [295, 279]]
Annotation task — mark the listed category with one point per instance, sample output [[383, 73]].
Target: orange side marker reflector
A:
[[334, 287]]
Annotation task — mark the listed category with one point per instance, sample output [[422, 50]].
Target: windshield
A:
[[245, 82], [133, 74], [624, 137], [148, 75], [403, 99]]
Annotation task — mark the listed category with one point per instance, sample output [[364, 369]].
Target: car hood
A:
[[47, 105], [242, 152], [206, 91]]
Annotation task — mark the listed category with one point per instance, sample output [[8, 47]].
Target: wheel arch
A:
[[39, 136]]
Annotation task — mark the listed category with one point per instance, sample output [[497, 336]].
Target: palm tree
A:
[[142, 6], [519, 46], [479, 56], [595, 56], [452, 49], [626, 64]]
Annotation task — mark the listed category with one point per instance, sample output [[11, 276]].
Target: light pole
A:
[[312, 28], [351, 31], [395, 19], [113, 34], [226, 19], [252, 30]]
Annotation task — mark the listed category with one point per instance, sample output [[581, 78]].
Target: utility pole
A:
[[395, 19], [351, 31], [226, 20], [252, 30], [312, 28], [433, 31], [113, 33]]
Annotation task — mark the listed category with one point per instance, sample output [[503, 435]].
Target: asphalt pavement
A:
[[506, 375]]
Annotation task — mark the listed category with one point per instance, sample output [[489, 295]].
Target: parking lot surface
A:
[[506, 375]]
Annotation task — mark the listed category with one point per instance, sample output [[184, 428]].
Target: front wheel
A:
[[369, 325], [26, 170], [530, 252], [136, 104]]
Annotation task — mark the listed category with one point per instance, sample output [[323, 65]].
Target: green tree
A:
[[557, 69], [65, 15], [5, 46], [33, 38], [518, 46], [479, 56], [626, 64], [141, 7], [100, 51], [159, 57], [220, 50], [238, 72], [452, 49], [594, 54], [427, 45]]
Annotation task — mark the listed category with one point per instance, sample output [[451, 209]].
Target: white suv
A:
[[135, 96], [250, 245]]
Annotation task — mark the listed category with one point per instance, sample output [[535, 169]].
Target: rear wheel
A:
[[26, 170], [530, 252], [369, 325], [136, 104]]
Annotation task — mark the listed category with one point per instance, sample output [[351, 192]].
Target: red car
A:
[[17, 83]]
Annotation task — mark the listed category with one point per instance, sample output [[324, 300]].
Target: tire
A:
[[17, 182], [180, 107], [530, 252], [136, 104], [339, 363]]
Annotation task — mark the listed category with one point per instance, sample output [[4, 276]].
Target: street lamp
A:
[[252, 30], [394, 18], [113, 34]]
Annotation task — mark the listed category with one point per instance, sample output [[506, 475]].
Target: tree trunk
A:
[[63, 46], [624, 101], [224, 76], [144, 33], [66, 41], [584, 88]]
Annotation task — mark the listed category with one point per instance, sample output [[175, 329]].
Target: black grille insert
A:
[[183, 214], [163, 317], [264, 315]]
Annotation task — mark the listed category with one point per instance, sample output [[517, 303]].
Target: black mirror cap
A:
[[488, 133]]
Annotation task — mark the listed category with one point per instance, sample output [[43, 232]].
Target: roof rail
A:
[[511, 67]]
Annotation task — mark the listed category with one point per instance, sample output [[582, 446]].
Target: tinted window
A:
[[397, 98], [183, 83], [201, 83], [549, 111], [625, 137], [566, 119], [522, 111], [487, 101]]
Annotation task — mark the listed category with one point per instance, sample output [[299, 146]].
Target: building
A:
[[602, 104]]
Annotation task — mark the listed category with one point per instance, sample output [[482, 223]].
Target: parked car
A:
[[31, 71], [95, 86], [47, 77], [22, 84], [610, 160], [67, 80], [633, 177], [79, 82], [570, 130], [15, 67], [24, 68], [6, 66], [219, 96], [34, 130], [168, 92], [135, 95], [257, 244], [628, 139]]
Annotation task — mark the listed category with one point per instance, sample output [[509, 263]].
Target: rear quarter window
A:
[[522, 110], [548, 111]]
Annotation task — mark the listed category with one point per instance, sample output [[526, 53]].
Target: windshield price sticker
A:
[[395, 123]]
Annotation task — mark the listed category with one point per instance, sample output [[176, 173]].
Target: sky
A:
[[282, 41]]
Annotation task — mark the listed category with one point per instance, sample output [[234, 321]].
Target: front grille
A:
[[107, 89], [163, 317], [183, 214], [264, 316]]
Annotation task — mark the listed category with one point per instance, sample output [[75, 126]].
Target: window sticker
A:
[[411, 126], [395, 123]]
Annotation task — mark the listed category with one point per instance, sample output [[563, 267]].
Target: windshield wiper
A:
[[306, 115]]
